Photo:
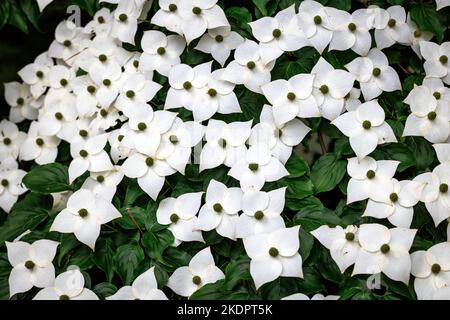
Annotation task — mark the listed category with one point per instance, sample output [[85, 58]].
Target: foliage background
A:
[[315, 195]]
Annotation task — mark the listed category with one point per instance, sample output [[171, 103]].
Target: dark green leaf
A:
[[31, 10], [48, 178], [17, 17], [126, 259], [4, 13], [296, 166], [427, 19], [155, 243], [327, 172]]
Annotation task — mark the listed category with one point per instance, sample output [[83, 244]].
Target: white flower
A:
[[86, 91], [68, 285], [118, 150], [144, 287], [257, 167], [225, 143], [84, 215], [199, 15], [104, 184], [442, 151], [365, 127], [317, 296], [398, 207], [125, 20], [41, 149], [89, 156], [36, 74], [314, 21], [69, 41], [278, 34], [352, 101], [220, 211], [10, 183], [248, 68], [273, 255], [261, 212], [161, 52], [416, 35], [168, 16], [436, 60], [370, 179], [374, 74], [219, 42], [32, 265], [101, 23], [292, 98], [23, 106], [442, 4], [384, 250], [280, 138], [396, 30], [60, 76], [177, 142], [429, 116], [350, 31], [435, 193], [432, 271], [201, 270], [343, 244], [180, 215], [10, 139], [330, 88]]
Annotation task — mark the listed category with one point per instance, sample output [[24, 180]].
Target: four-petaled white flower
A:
[[200, 271], [10, 139], [436, 60], [395, 30], [10, 183]]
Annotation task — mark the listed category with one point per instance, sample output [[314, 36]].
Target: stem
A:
[[322, 142], [134, 221]]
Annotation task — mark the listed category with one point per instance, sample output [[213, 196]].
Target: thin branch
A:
[[134, 221], [322, 142]]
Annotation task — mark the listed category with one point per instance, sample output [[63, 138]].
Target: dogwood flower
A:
[[180, 214], [10, 183], [370, 179], [23, 106], [41, 149], [101, 23], [248, 68], [350, 31], [352, 101], [60, 76], [55, 118], [199, 15], [32, 265], [384, 250], [168, 16], [416, 35], [436, 60], [219, 42], [68, 285], [144, 287], [125, 20], [430, 116], [10, 139], [225, 143], [398, 207], [280, 139], [435, 193], [36, 74], [200, 271], [431, 269], [161, 52], [89, 156], [374, 74], [119, 150], [292, 98], [343, 244], [261, 212], [315, 23], [84, 215], [104, 184], [365, 127], [330, 87], [396, 29], [278, 34], [274, 254], [220, 212], [69, 41], [257, 167]]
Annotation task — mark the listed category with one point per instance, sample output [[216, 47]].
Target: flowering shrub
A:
[[168, 149]]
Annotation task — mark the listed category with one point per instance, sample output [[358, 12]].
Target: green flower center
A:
[[253, 166], [443, 59], [67, 43], [431, 115], [120, 137], [351, 26], [29, 264], [83, 213], [103, 113], [437, 95], [59, 116], [39, 74], [142, 126], [317, 20], [291, 96], [219, 38], [417, 34], [376, 72], [222, 142], [91, 89], [173, 139], [83, 153], [196, 280], [276, 33], [392, 23], [251, 65], [64, 297], [101, 20], [173, 7], [7, 141], [393, 197], [149, 162], [106, 82], [161, 51], [385, 248], [259, 215], [5, 182], [123, 17], [212, 92], [174, 218], [273, 252], [366, 124], [63, 82], [324, 89], [102, 58], [435, 268], [130, 94], [443, 188], [135, 63], [196, 10], [370, 174], [20, 101], [40, 142], [349, 236], [217, 207], [83, 133], [187, 85], [100, 179]]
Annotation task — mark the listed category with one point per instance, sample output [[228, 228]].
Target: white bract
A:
[[384, 250], [42, 149], [11, 186], [84, 215], [200, 271], [32, 265], [436, 60], [396, 30], [274, 254], [144, 287], [10, 140]]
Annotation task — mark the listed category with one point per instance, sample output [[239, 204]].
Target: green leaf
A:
[[5, 270], [140, 216], [155, 243], [312, 217], [340, 4], [422, 151], [4, 13], [261, 5], [306, 243], [296, 166], [176, 257], [239, 18], [427, 19], [26, 214], [103, 257], [81, 256], [48, 178], [297, 188], [237, 271], [104, 289], [210, 291], [89, 5], [17, 17], [31, 10], [396, 151], [133, 192], [126, 259], [327, 172]]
